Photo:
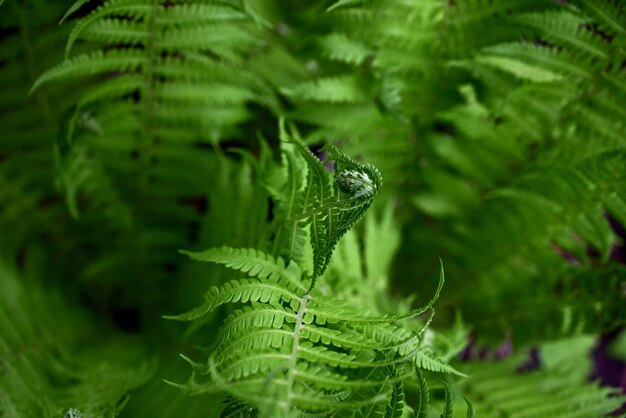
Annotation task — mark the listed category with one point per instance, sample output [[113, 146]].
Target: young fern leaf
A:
[[423, 395], [93, 63], [244, 290], [236, 409], [277, 346], [254, 262], [290, 238], [559, 388], [395, 409], [611, 14], [448, 408], [425, 360], [331, 206], [355, 319], [292, 349]]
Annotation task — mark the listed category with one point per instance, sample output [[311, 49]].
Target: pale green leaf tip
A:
[[176, 385], [470, 408], [34, 87], [187, 359], [335, 6], [173, 317]]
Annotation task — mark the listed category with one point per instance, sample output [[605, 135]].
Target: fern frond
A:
[[196, 13], [290, 237], [94, 63], [348, 315], [448, 409], [43, 354], [256, 340], [423, 399], [340, 47], [117, 31], [519, 68], [255, 315], [324, 377], [321, 203], [341, 89], [382, 239], [220, 40], [238, 409], [317, 201], [558, 390], [251, 261], [549, 59], [82, 175], [254, 362], [314, 353], [244, 290], [565, 28], [499, 125], [73, 8], [610, 12], [425, 360], [395, 409]]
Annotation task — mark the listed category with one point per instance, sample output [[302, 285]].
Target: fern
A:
[[48, 368], [557, 390], [28, 124], [423, 400], [253, 262], [331, 211], [293, 347], [134, 128], [160, 81], [527, 79], [448, 409]]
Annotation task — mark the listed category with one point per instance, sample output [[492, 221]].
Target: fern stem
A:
[[295, 347]]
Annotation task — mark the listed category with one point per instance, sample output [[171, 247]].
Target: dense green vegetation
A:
[[353, 208]]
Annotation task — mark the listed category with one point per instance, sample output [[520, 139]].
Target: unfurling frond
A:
[[292, 348]]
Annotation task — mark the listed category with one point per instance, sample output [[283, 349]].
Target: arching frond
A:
[[311, 352], [558, 390]]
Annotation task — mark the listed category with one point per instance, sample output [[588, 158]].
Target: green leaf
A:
[[423, 395], [253, 262], [470, 408], [73, 8], [245, 290], [425, 360], [92, 64], [448, 409], [395, 408], [519, 68]]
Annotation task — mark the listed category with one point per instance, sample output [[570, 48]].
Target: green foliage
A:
[[296, 346], [134, 129], [558, 389], [51, 366], [480, 111]]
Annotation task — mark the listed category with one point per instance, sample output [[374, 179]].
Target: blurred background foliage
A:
[[140, 127]]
